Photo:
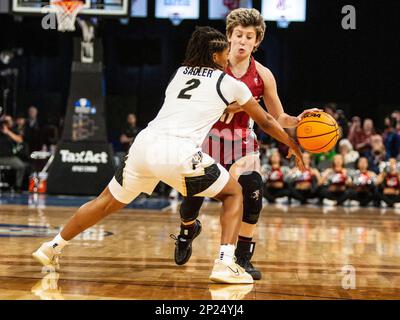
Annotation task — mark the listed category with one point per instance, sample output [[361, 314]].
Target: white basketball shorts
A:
[[174, 161]]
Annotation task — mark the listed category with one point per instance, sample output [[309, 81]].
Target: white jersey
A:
[[194, 100], [168, 149]]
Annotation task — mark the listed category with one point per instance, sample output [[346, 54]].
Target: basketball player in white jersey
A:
[[169, 150]]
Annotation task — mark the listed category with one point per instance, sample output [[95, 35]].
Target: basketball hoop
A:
[[67, 11]]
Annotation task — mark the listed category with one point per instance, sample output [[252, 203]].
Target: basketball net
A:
[[66, 12]]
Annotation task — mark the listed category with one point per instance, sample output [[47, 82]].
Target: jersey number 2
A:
[[193, 84]]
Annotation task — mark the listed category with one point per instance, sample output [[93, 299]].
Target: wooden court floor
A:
[[303, 252]]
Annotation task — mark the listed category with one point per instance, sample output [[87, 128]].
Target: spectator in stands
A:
[[33, 134], [21, 149], [391, 138], [130, 132], [275, 177], [357, 135], [363, 187], [330, 108], [396, 115], [304, 185], [349, 155], [377, 155], [32, 120], [364, 146], [324, 160], [342, 122], [51, 136], [335, 181], [8, 141], [20, 125], [388, 182]]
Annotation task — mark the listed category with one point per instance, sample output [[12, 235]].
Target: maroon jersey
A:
[[392, 181], [338, 178], [363, 181], [232, 137], [275, 175], [306, 176]]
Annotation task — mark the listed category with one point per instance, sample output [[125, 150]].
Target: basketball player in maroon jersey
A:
[[233, 142]]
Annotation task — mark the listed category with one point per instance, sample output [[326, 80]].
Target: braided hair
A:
[[205, 41]]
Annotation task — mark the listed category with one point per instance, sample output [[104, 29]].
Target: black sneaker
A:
[[183, 244], [244, 253]]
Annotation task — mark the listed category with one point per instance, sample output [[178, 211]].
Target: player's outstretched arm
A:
[[270, 126]]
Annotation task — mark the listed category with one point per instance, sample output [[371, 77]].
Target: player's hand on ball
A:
[[301, 116], [295, 151]]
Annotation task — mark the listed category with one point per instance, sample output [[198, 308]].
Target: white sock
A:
[[58, 242], [227, 253]]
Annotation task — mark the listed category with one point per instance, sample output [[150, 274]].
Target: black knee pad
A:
[[190, 208], [252, 186]]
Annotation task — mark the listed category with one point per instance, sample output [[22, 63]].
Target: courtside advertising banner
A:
[[139, 8], [80, 168], [187, 9], [219, 9], [290, 10]]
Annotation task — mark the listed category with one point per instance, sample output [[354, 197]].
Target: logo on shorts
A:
[[256, 195], [197, 159]]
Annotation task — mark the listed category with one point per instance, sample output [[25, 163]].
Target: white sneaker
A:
[[354, 203], [282, 200], [47, 256], [329, 203], [229, 273]]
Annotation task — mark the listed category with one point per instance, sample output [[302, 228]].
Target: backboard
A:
[[107, 8]]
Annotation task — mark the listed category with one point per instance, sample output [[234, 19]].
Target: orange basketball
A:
[[318, 132]]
